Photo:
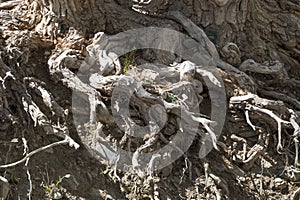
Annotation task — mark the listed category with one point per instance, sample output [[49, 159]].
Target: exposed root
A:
[[10, 4], [67, 140]]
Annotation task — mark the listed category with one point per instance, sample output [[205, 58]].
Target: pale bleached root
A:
[[296, 135], [251, 102], [67, 140], [10, 4]]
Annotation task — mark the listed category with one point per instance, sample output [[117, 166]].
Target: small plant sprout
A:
[[53, 190], [129, 61]]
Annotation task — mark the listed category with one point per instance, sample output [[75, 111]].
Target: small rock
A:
[[4, 187], [279, 183], [56, 194]]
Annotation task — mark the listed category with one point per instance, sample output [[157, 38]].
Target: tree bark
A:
[[261, 30]]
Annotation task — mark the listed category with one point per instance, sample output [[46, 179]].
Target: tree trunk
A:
[[262, 30]]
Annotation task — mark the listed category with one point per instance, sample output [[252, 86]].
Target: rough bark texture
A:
[[253, 44]]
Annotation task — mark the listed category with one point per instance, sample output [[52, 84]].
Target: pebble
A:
[[279, 183], [56, 194], [4, 188]]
